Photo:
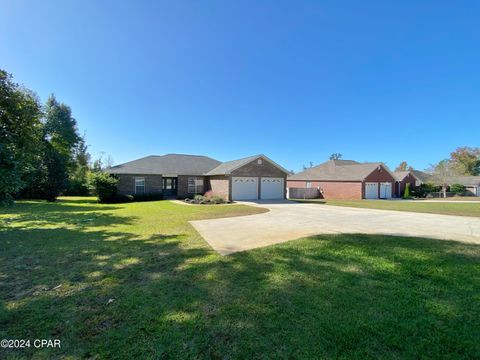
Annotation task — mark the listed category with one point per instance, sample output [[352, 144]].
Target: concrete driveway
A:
[[289, 220]]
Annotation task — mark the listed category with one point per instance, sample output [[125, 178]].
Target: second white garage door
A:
[[244, 188], [385, 190], [272, 188], [371, 190]]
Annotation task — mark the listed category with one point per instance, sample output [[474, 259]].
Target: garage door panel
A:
[[244, 188], [272, 188], [371, 190], [385, 190]]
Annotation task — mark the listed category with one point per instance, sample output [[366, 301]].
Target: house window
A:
[[139, 185], [309, 184], [168, 183], [259, 161], [195, 185]]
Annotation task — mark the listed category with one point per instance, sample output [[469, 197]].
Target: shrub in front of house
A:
[[104, 186], [148, 197], [424, 190], [119, 199], [206, 200], [406, 193], [458, 189]]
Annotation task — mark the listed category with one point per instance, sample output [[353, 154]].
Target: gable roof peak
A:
[[227, 167]]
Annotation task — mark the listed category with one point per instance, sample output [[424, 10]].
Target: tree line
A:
[[464, 161], [42, 154]]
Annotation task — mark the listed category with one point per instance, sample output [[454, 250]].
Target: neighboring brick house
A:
[[402, 179], [181, 176], [347, 179]]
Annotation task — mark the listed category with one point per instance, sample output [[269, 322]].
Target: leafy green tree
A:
[[466, 160], [20, 125], [56, 175], [60, 139], [78, 177]]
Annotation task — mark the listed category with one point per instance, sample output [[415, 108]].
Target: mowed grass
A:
[[422, 206], [136, 281]]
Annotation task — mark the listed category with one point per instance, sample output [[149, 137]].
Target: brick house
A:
[[347, 179], [181, 176], [402, 179]]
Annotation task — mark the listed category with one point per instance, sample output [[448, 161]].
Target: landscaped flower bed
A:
[[206, 200]]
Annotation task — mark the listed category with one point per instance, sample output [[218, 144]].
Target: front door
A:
[[169, 186]]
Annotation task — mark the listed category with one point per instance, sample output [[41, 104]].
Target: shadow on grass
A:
[[331, 296]]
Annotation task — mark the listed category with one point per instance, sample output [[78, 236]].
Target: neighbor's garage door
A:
[[371, 190], [272, 188], [385, 190], [244, 188]]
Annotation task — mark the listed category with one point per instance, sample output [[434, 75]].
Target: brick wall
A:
[[220, 186], [265, 169], [126, 183], [182, 186], [380, 175], [255, 169]]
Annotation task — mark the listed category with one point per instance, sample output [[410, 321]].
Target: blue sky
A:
[[295, 80]]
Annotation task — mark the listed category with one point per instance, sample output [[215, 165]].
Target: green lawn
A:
[[172, 297], [448, 208]]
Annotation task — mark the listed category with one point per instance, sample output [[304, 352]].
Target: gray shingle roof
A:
[[422, 176], [227, 167], [340, 170], [465, 180], [177, 164]]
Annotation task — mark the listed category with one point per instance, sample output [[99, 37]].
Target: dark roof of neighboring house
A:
[[175, 164], [421, 175], [227, 167], [465, 180], [401, 175], [340, 170]]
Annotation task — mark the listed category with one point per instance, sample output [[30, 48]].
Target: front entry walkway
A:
[[289, 220]]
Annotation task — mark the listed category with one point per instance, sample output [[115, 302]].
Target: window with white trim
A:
[[139, 185], [309, 184], [195, 185]]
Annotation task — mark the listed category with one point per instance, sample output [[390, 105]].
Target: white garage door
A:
[[244, 188], [272, 188], [385, 190], [371, 190]]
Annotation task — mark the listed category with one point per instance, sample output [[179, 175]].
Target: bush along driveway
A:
[[136, 281]]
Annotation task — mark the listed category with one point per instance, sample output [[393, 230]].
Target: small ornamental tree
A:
[[406, 193], [104, 186]]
